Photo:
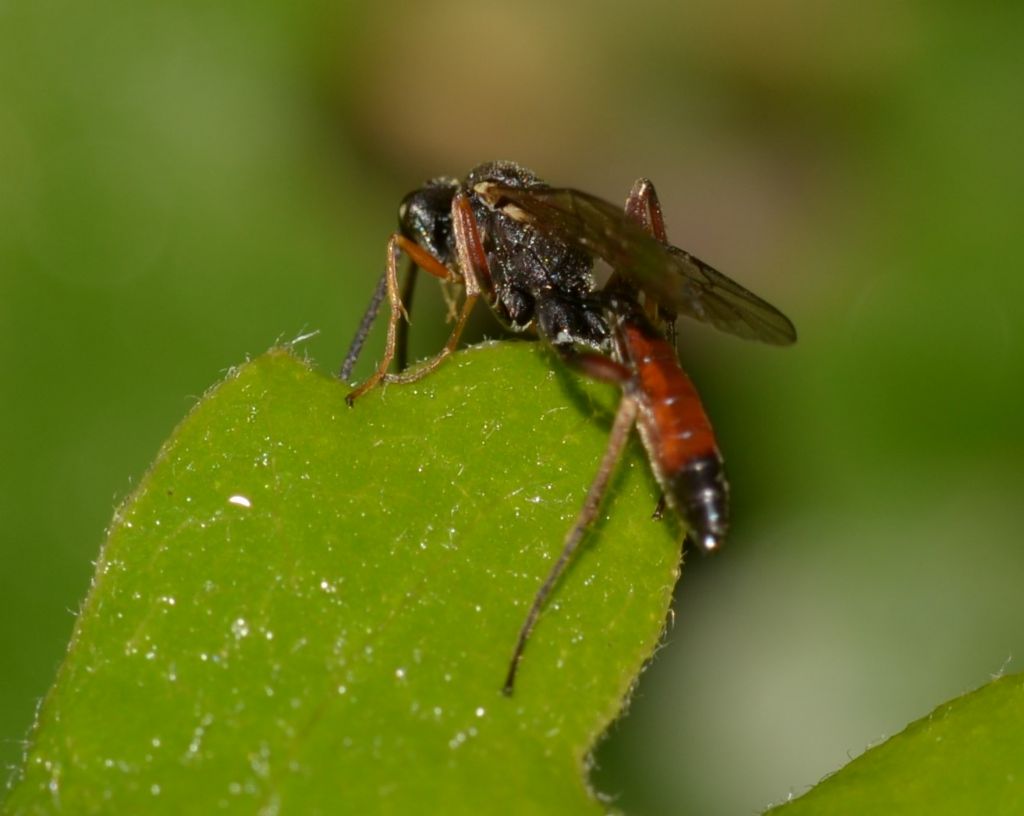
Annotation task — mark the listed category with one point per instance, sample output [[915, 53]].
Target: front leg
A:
[[424, 260], [473, 268]]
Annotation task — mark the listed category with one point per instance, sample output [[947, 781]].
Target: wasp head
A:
[[425, 216]]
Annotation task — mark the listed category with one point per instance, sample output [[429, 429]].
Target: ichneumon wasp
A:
[[529, 250]]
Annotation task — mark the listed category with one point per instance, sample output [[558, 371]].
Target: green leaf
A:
[[967, 756], [306, 608]]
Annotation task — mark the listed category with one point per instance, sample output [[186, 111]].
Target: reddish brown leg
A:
[[424, 260], [472, 265], [370, 315], [607, 370], [624, 419], [643, 206], [595, 366]]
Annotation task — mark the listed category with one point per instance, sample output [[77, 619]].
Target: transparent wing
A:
[[673, 277]]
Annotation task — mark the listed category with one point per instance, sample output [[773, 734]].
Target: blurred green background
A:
[[183, 184]]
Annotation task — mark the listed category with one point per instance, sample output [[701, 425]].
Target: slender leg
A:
[[595, 366], [433, 266], [408, 289], [624, 419], [607, 370], [426, 368], [473, 266], [425, 261], [643, 206]]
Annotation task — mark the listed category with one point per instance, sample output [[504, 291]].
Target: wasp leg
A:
[[426, 368], [402, 341], [643, 206], [473, 266], [605, 369], [596, 366], [370, 315], [423, 260], [624, 419]]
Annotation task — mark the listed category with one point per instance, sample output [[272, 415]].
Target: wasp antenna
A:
[[365, 325]]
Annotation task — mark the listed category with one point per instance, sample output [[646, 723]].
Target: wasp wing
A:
[[677, 280]]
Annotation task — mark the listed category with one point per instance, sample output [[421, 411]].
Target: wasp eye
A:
[[425, 216]]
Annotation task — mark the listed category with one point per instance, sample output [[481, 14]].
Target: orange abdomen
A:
[[676, 432], [670, 406]]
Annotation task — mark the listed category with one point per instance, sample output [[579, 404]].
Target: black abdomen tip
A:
[[702, 498]]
